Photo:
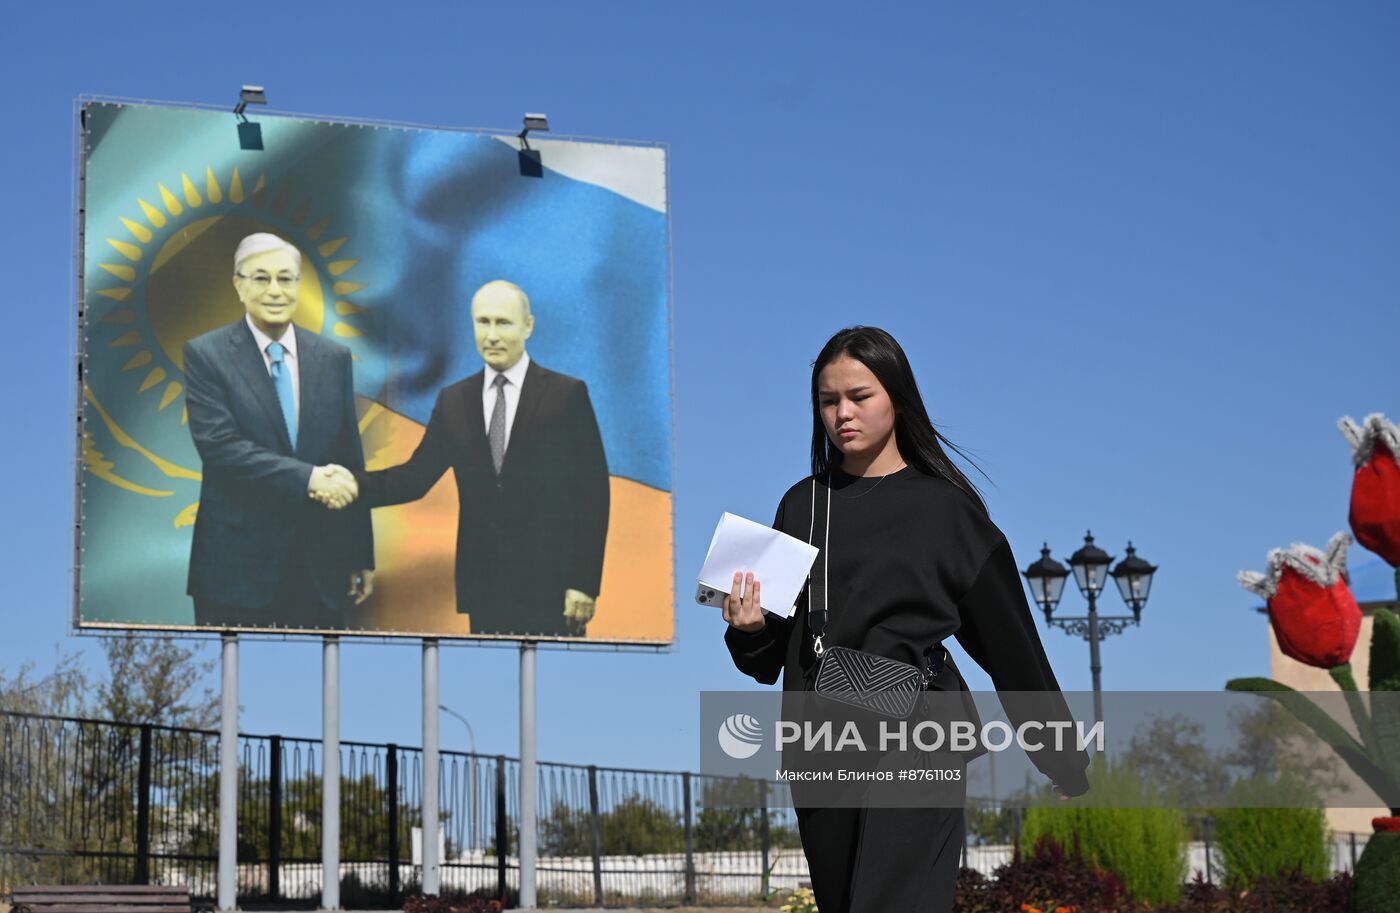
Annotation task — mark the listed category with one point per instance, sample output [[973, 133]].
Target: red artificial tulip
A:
[[1315, 617], [1375, 490]]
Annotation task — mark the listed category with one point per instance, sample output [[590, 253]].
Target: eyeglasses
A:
[[262, 281]]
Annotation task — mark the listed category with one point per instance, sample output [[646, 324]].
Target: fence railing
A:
[[93, 801], [105, 802]]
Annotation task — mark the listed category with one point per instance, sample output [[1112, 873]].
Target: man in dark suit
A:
[[272, 413], [532, 481]]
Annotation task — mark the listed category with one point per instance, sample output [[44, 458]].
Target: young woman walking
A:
[[912, 559]]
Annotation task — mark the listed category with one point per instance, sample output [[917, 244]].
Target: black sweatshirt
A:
[[913, 561]]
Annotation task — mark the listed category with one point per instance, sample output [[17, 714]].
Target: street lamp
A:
[[1134, 579], [471, 736], [471, 788], [1090, 567], [1047, 580]]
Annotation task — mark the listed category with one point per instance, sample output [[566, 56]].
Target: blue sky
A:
[[1142, 256]]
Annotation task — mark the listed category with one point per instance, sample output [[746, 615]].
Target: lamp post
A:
[[471, 736], [1090, 566], [471, 788]]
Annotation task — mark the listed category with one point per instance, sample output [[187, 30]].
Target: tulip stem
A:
[[1359, 715]]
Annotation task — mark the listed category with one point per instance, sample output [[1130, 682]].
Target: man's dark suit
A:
[[265, 554], [536, 530]]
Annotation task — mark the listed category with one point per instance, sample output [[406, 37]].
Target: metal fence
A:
[[92, 801]]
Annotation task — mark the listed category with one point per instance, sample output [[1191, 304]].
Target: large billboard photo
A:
[[372, 379]]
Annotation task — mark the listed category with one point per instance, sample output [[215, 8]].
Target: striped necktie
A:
[[497, 435]]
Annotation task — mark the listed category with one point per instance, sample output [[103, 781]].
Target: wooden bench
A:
[[107, 898]]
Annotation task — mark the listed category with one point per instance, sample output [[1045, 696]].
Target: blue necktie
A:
[[282, 380]]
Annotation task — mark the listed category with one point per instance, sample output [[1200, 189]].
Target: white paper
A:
[[779, 562]]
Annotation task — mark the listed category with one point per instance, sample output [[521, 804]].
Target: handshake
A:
[[333, 486]]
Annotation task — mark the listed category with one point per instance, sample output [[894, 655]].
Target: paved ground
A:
[[4, 908], [636, 910]]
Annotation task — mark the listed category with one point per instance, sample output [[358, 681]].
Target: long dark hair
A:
[[919, 442]]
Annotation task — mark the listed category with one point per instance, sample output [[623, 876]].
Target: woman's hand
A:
[[741, 609]]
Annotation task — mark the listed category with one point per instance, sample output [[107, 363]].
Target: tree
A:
[[40, 787], [731, 818], [60, 693], [154, 680], [72, 785], [989, 825], [364, 815], [566, 831], [1171, 752], [637, 826], [1272, 743]]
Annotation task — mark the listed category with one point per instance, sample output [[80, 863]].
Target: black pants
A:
[[297, 604], [898, 853], [883, 860]]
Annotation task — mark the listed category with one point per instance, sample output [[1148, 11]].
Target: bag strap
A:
[[816, 591]]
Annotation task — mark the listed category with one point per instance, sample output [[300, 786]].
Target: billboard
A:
[[372, 379]]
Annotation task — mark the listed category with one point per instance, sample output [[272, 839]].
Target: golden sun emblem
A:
[[171, 281]]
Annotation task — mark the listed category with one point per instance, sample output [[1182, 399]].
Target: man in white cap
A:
[[272, 413]]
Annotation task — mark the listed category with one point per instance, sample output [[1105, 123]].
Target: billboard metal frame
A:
[[77, 291]]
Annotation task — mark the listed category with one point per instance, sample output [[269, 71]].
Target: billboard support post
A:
[[527, 775], [330, 773], [430, 767], [228, 776]]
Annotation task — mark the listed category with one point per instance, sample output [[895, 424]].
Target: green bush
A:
[[1123, 824], [1377, 875], [1256, 841]]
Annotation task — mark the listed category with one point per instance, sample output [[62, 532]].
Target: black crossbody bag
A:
[[855, 677]]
